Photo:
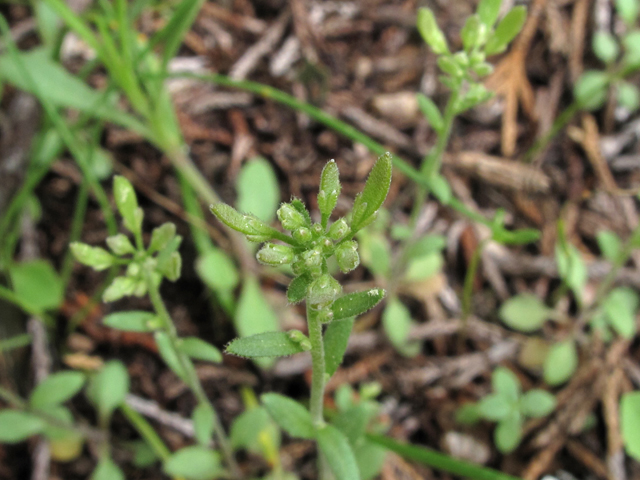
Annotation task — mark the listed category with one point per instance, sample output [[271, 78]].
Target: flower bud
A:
[[290, 218], [325, 315], [300, 338], [347, 256], [298, 265], [323, 290], [302, 235], [312, 258], [327, 245], [316, 229], [274, 255], [338, 230]]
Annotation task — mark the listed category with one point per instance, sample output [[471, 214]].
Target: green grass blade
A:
[[440, 461]]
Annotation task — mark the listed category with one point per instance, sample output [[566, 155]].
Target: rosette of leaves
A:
[[508, 406]]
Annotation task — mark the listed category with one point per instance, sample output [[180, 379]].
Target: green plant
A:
[[307, 250], [630, 423], [508, 407]]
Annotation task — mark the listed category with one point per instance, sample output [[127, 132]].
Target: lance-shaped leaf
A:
[[290, 415], [132, 321], [127, 204], [431, 33], [198, 349], [193, 463], [109, 387], [506, 30], [329, 190], [298, 287], [17, 426], [354, 304], [203, 423], [375, 191], [269, 344], [169, 355], [335, 343], [336, 450], [488, 11], [56, 388], [94, 257], [431, 112], [247, 224]]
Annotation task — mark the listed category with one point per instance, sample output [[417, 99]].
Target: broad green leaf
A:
[[506, 30], [64, 417], [628, 10], [193, 463], [430, 112], [560, 363], [161, 236], [119, 244], [495, 407], [421, 268], [56, 388], [629, 423], [37, 285], [336, 338], [217, 270], [268, 344], [329, 189], [107, 470], [198, 349], [354, 304], [292, 417], [131, 321], [127, 203], [169, 355], [431, 33], [628, 95], [620, 307], [109, 387], [203, 423], [508, 433], [605, 46], [590, 90], [537, 403], [525, 312], [335, 448], [254, 315], [258, 189], [470, 32], [506, 383], [609, 244], [375, 191], [94, 257], [16, 426], [298, 288], [397, 323], [631, 42], [120, 287], [488, 11]]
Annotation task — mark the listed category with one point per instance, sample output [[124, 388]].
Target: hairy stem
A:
[[318, 366]]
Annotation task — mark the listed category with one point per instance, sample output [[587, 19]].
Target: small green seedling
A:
[[307, 250], [508, 407]]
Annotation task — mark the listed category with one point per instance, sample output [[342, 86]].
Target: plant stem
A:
[[318, 366], [193, 381], [432, 162], [559, 123], [146, 431]]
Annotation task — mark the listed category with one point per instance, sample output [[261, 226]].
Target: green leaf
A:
[[353, 421], [488, 11], [169, 355], [354, 304], [440, 188], [298, 288], [537, 403], [525, 312], [571, 268], [628, 96], [247, 224], [561, 362], [468, 414], [56, 388], [590, 90], [605, 46], [495, 407], [424, 267], [376, 253], [94, 257], [246, 425], [193, 463], [131, 321], [119, 244], [120, 287], [430, 112], [506, 30], [620, 307], [375, 191], [217, 270], [631, 42], [254, 315], [431, 33], [109, 387], [397, 323], [609, 244], [64, 417], [628, 10], [508, 433], [161, 236], [258, 189], [470, 32], [506, 383], [329, 189], [338, 454], [198, 349], [203, 423], [290, 415], [521, 236], [127, 204], [107, 470], [426, 245], [629, 423], [17, 426], [370, 458], [37, 285], [336, 339], [268, 344]]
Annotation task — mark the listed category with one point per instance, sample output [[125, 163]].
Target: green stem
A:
[[193, 381], [470, 276], [146, 431], [559, 123], [432, 163], [318, 366]]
